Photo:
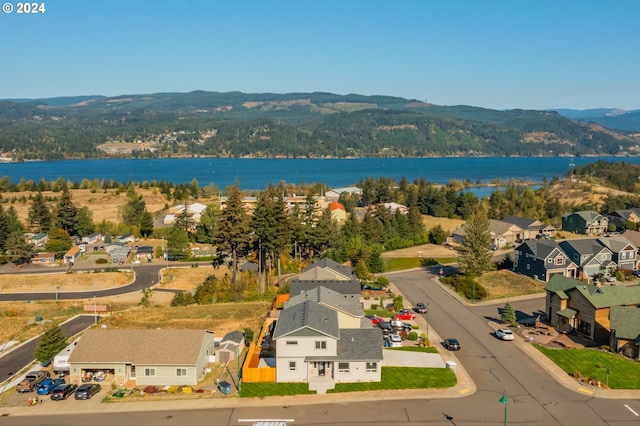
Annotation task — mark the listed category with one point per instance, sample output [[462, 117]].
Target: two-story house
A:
[[625, 330], [572, 305], [625, 253], [585, 222], [591, 257], [542, 259], [311, 347], [619, 217]]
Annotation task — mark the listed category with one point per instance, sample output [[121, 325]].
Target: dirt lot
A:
[[505, 283], [23, 283], [425, 250]]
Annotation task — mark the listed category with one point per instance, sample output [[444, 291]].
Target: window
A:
[[292, 342], [623, 255], [584, 327], [292, 366], [321, 344], [343, 367], [528, 267], [631, 255], [549, 260], [181, 372], [559, 260], [149, 371], [372, 367]]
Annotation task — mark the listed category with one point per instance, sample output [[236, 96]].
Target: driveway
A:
[[397, 358]]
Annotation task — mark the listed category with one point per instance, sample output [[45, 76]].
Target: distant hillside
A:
[[236, 124], [611, 118]]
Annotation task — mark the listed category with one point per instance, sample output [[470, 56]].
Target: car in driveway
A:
[[386, 327], [405, 315], [63, 392], [87, 390], [393, 341], [504, 334], [375, 320], [421, 308], [452, 344], [400, 326], [48, 385]]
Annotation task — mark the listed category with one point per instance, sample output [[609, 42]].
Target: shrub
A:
[[374, 306], [187, 390], [172, 389], [101, 261], [150, 389], [413, 336], [248, 335], [182, 298]]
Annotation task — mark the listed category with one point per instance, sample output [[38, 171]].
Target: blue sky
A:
[[496, 54]]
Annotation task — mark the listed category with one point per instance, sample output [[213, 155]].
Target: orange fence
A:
[[251, 369]]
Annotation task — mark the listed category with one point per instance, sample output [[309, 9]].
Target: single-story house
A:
[[92, 238], [204, 252], [144, 252], [39, 240], [127, 238], [72, 255], [502, 233], [143, 357], [532, 228], [120, 254], [44, 259], [338, 212], [334, 194]]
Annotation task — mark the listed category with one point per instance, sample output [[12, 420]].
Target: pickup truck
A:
[[32, 380]]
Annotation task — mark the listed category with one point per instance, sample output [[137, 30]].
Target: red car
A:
[[374, 319], [405, 315]]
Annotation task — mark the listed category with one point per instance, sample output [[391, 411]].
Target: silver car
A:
[[504, 334]]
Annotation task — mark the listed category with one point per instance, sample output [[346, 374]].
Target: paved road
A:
[[16, 359]]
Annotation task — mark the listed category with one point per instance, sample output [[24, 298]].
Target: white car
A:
[[504, 334], [395, 341]]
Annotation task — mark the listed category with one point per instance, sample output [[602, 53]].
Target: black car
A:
[[87, 390], [452, 344], [386, 327], [421, 308], [63, 392]]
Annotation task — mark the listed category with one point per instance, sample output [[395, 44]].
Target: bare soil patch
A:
[[80, 281], [504, 284], [188, 278]]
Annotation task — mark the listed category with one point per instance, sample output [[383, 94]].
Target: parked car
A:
[[405, 315], [400, 326], [452, 344], [421, 308], [224, 387], [394, 341], [504, 334], [63, 392], [375, 320], [636, 273], [610, 279], [386, 327], [48, 385], [87, 390]]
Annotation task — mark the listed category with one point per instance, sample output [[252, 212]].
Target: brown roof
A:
[[140, 347]]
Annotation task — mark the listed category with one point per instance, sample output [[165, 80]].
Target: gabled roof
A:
[[349, 189], [607, 296], [322, 274], [522, 222], [348, 303], [307, 318], [140, 346], [233, 336], [352, 286], [587, 215], [587, 247], [360, 344], [334, 205], [541, 249], [625, 321], [325, 262], [617, 244], [559, 283]]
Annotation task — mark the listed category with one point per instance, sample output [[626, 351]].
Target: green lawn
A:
[[593, 363], [430, 349], [393, 378], [402, 263]]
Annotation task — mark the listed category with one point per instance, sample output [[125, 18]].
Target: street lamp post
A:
[[503, 400]]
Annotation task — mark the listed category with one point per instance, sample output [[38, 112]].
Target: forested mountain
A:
[[608, 117], [238, 124]]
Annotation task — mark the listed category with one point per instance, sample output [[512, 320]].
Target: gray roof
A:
[[586, 247], [587, 215], [616, 244], [542, 248], [233, 336], [309, 318], [349, 303], [319, 274], [297, 286], [360, 344], [522, 222], [325, 262], [625, 321], [140, 346]]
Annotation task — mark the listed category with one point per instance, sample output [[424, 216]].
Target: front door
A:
[[321, 368]]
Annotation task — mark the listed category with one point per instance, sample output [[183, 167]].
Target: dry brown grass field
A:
[[448, 225], [23, 283], [504, 284]]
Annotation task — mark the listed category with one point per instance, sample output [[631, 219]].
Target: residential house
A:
[[44, 259], [72, 255], [625, 330], [531, 228], [204, 252], [38, 240], [542, 259], [591, 257], [144, 252], [127, 238], [573, 305], [352, 286], [619, 217], [334, 194], [395, 207], [625, 253], [585, 222], [114, 246], [348, 306], [120, 254], [143, 357], [338, 212], [326, 263], [92, 238], [502, 233], [312, 348]]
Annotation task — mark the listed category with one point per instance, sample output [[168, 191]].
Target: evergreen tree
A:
[[270, 226], [13, 221], [233, 236], [178, 244], [475, 251], [134, 208], [67, 213], [437, 235], [146, 224], [324, 235], [51, 343], [208, 224], [508, 315], [184, 220], [39, 214], [4, 228], [59, 242], [84, 224], [17, 247]]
